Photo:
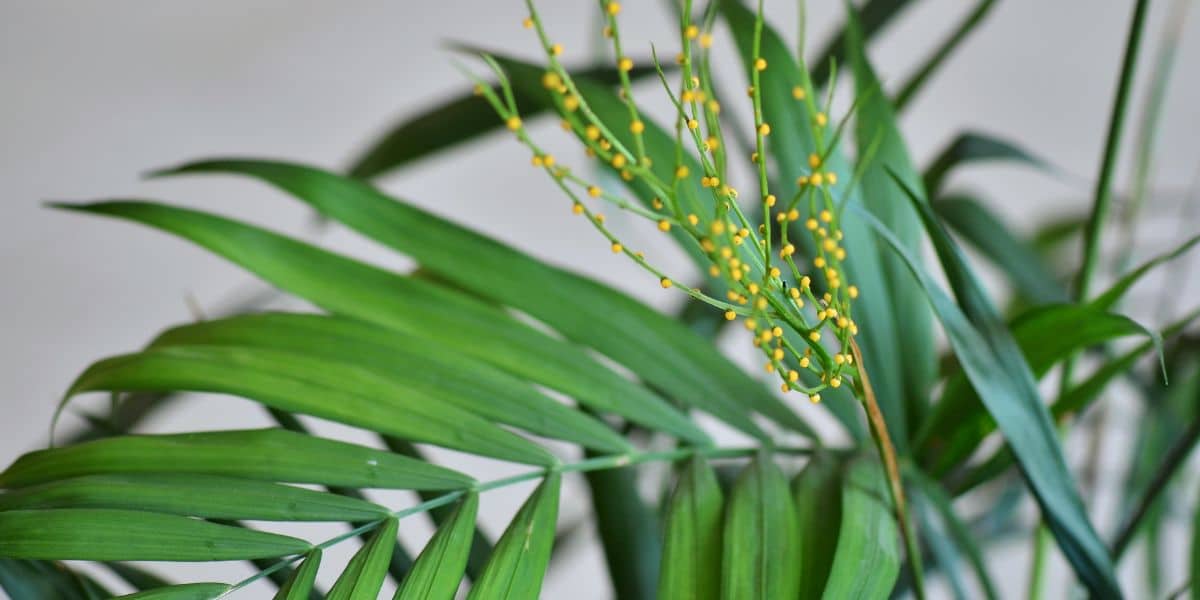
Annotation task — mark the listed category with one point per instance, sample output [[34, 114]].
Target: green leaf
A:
[[518, 563], [279, 456], [691, 563], [186, 591], [1029, 274], [439, 568], [971, 147], [629, 531], [876, 127], [761, 550], [336, 391], [367, 569], [1114, 293], [42, 580], [417, 364], [462, 118], [993, 363], [413, 306], [867, 560], [299, 586], [817, 496], [106, 534], [205, 496], [790, 144], [1045, 335], [657, 348]]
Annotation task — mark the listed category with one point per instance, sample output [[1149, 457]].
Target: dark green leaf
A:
[[367, 569], [993, 362], [413, 306], [691, 563], [296, 383], [43, 580], [193, 495], [463, 118], [629, 531], [817, 496], [186, 591], [518, 564], [1029, 274], [417, 364], [760, 549], [278, 456], [299, 586], [439, 568], [971, 147], [105, 534], [867, 560]]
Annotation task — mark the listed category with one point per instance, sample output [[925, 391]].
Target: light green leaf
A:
[[992, 361], [106, 534], [367, 569], [186, 591], [279, 456], [206, 496], [296, 383], [417, 364], [790, 144], [299, 586], [1029, 274], [867, 560], [413, 306], [761, 549], [691, 563], [439, 569], [876, 127], [518, 563], [817, 496]]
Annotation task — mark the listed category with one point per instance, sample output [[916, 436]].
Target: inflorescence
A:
[[804, 334]]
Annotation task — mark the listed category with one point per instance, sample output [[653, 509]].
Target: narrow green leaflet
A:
[[761, 548], [657, 348], [107, 534], [993, 363], [439, 569], [417, 364], [295, 383], [790, 144], [629, 531], [1114, 293], [1028, 272], [348, 287], [973, 146], [691, 563], [366, 571], [817, 496], [867, 560], [185, 591], [1046, 335], [279, 456], [460, 119], [299, 586], [190, 494], [518, 564], [875, 127]]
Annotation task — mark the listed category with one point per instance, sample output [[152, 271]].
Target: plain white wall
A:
[[95, 93]]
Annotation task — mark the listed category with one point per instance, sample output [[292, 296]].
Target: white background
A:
[[94, 93]]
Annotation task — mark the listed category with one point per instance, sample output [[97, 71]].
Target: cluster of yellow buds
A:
[[753, 262]]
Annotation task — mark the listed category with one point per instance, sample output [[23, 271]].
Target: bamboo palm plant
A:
[[818, 253]]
